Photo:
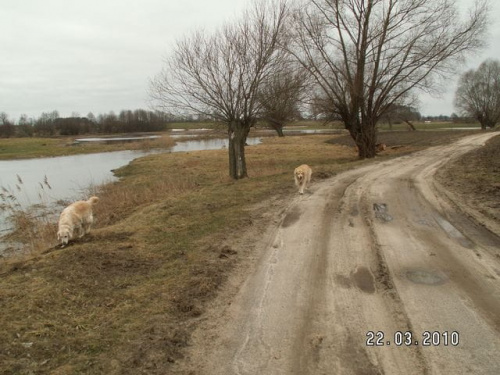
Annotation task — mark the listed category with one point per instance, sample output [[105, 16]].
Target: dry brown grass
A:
[[34, 229], [476, 175], [122, 300]]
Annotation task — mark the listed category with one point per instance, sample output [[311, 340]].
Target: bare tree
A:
[[399, 113], [7, 128], [367, 55], [220, 75], [478, 94], [281, 95]]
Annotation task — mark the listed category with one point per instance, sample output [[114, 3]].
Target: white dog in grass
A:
[[302, 176], [77, 217]]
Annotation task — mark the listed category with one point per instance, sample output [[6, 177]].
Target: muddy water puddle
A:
[[423, 276]]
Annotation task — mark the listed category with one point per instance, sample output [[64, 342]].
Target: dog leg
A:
[[87, 228], [81, 231]]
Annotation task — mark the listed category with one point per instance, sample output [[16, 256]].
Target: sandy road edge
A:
[[458, 201], [461, 205]]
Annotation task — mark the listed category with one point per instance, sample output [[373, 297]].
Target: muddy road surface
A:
[[374, 271]]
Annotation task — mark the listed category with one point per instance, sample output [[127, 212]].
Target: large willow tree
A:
[[368, 55], [220, 74]]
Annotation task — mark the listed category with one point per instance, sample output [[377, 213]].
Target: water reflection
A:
[[209, 144], [115, 139]]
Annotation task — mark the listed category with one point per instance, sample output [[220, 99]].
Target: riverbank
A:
[[125, 298], [29, 148]]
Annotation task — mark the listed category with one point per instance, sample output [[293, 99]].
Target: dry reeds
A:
[[32, 228]]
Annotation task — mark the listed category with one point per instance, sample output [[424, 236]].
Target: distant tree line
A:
[[51, 124]]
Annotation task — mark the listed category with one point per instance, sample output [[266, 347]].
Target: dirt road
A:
[[377, 249]]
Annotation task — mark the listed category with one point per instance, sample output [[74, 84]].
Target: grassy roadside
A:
[[476, 175], [122, 301], [26, 148]]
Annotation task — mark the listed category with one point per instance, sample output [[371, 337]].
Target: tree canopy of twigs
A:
[[478, 94], [220, 74], [367, 55], [281, 96]]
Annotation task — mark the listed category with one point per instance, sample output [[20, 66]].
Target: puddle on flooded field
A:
[[209, 144], [115, 139]]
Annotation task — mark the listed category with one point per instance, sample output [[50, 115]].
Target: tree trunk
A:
[[278, 126], [365, 137], [486, 123], [237, 138], [279, 130], [412, 127]]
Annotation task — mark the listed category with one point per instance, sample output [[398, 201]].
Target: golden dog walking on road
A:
[[77, 216], [302, 176]]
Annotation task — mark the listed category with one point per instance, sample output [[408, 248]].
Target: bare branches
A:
[[281, 95], [478, 94], [220, 74], [367, 55], [380, 50]]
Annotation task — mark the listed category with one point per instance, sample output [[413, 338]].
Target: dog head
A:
[[93, 200], [299, 174], [64, 235]]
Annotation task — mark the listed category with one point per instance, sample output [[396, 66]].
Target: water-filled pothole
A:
[[421, 276]]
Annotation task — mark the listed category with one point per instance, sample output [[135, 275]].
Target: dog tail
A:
[[93, 200]]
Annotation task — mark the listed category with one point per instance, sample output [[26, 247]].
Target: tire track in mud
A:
[[385, 283], [356, 202], [308, 344]]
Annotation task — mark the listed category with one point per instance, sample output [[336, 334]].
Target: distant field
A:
[[428, 126], [194, 125], [16, 148], [414, 139]]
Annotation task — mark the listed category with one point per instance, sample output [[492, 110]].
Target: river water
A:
[[49, 180]]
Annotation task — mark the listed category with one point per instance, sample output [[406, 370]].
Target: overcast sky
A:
[[97, 56]]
